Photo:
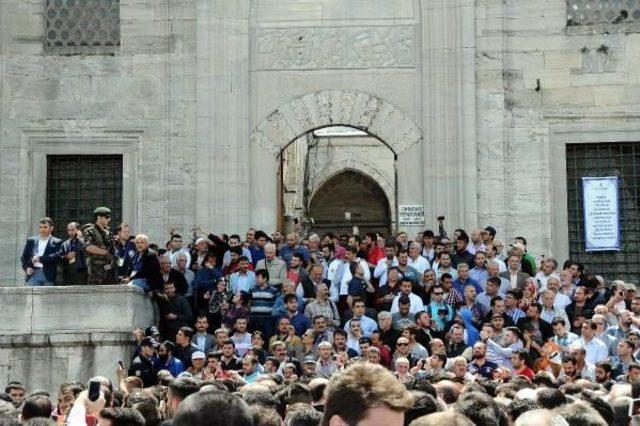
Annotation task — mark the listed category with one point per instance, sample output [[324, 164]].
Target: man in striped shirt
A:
[[263, 298]]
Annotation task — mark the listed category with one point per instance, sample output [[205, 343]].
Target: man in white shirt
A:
[[549, 311], [561, 301], [241, 337], [415, 300], [383, 265], [476, 244], [492, 256], [343, 274], [596, 350], [416, 260], [548, 269], [428, 249]]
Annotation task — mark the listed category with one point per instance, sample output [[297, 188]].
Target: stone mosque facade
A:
[[227, 114]]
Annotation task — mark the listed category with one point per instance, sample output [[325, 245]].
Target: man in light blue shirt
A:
[[367, 325], [292, 246], [243, 279], [234, 241], [499, 355], [479, 272], [250, 369]]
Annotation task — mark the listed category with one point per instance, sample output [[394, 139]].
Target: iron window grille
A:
[[77, 184], [82, 26], [603, 16], [598, 160]]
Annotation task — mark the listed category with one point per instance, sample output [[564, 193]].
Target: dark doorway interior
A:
[[350, 194]]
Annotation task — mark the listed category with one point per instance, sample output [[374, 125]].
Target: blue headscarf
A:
[[472, 333]]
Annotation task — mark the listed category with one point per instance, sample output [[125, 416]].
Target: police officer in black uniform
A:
[[100, 249], [142, 366]]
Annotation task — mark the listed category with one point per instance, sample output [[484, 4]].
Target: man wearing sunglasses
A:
[[99, 248]]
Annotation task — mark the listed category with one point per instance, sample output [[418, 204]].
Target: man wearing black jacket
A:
[[309, 283], [145, 267], [172, 275], [461, 254], [175, 311], [142, 365], [213, 244], [540, 330], [184, 348]]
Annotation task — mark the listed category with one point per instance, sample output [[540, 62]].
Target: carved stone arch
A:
[[363, 167], [324, 108]]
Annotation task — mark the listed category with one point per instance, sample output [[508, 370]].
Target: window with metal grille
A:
[[596, 16], [77, 184], [606, 159], [82, 26]]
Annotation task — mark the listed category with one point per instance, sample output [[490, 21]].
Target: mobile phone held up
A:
[[94, 390]]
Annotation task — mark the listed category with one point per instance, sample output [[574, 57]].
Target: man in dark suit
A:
[[172, 275], [311, 281], [203, 340], [514, 274], [41, 255], [74, 266]]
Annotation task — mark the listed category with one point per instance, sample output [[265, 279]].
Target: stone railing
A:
[[50, 335]]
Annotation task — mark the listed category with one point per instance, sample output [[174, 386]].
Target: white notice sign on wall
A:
[[601, 213], [410, 215]]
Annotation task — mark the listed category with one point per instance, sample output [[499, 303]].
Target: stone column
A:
[[222, 180], [263, 191], [449, 110], [409, 176]]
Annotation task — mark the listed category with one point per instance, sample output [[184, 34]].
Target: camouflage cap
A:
[[102, 211]]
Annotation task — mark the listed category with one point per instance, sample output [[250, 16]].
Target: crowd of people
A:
[[349, 330]]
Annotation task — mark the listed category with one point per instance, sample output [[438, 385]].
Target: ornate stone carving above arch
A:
[[325, 108], [355, 165]]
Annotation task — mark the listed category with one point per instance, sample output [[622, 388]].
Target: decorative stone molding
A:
[[359, 166], [69, 139], [324, 108], [335, 47]]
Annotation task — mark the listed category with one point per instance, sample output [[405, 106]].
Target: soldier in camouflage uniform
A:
[[100, 249]]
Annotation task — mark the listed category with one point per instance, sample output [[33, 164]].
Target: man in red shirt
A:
[[385, 353], [374, 252], [519, 367]]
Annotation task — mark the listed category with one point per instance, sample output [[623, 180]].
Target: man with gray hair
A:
[[388, 334], [548, 269], [145, 268], [276, 267], [541, 417], [549, 311], [168, 274]]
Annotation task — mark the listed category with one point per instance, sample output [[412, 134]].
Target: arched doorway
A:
[[350, 199], [314, 111], [337, 159]]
